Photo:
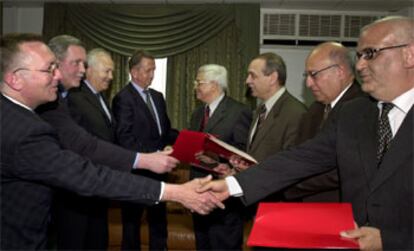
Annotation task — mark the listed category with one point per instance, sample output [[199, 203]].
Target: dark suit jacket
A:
[[33, 163], [136, 129], [280, 128], [229, 122], [87, 111], [381, 197], [77, 139], [322, 187]]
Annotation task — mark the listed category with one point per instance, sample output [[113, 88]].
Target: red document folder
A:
[[302, 225], [189, 143]]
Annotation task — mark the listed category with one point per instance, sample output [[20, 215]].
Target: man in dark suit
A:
[[143, 125], [229, 120], [330, 76], [33, 162], [82, 222], [370, 140], [71, 57]]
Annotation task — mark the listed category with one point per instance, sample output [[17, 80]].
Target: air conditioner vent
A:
[[353, 24], [279, 24], [319, 25]]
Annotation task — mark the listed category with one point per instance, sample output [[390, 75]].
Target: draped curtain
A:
[[189, 35]]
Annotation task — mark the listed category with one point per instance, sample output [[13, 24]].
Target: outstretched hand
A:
[[158, 162]]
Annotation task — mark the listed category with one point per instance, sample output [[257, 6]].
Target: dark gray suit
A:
[[381, 197], [82, 222], [321, 187], [222, 229], [33, 164]]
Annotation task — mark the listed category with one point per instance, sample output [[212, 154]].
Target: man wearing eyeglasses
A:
[[370, 141], [33, 163], [330, 76]]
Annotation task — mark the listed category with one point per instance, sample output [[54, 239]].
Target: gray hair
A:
[[215, 72], [60, 44], [94, 54]]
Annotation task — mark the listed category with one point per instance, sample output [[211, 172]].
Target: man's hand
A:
[[238, 164], [157, 162], [217, 187], [369, 238], [187, 195]]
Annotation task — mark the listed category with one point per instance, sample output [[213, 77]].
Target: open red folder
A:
[[303, 225], [189, 143]]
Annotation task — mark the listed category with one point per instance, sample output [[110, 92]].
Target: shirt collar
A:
[[90, 87], [404, 102], [17, 102], [336, 100], [213, 105], [273, 99]]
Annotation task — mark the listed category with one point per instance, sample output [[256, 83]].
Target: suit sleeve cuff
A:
[[135, 166], [234, 187]]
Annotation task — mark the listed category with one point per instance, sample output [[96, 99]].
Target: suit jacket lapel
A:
[[269, 121], [400, 150], [217, 116], [93, 100], [141, 105]]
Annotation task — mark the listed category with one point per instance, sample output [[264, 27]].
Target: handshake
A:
[[200, 195]]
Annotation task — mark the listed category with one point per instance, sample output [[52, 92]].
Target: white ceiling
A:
[[337, 5]]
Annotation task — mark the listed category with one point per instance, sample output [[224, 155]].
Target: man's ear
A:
[[408, 55], [274, 76], [12, 81]]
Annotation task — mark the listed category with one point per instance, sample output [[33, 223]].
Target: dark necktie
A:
[[103, 105], [149, 104], [384, 132], [327, 109], [205, 119], [261, 118]]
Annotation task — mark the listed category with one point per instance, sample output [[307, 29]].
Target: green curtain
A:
[[189, 35]]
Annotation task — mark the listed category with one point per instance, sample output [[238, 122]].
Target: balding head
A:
[[386, 57], [329, 70]]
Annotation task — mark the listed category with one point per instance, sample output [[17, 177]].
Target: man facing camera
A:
[[143, 125], [82, 222], [33, 163]]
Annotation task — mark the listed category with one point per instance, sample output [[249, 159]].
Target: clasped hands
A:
[[199, 195]]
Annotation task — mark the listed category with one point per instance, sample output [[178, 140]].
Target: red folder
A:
[[303, 225], [189, 143]]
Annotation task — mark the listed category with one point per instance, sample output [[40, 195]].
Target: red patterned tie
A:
[[205, 118]]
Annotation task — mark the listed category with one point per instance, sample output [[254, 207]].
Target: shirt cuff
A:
[[135, 166], [161, 192], [234, 187]]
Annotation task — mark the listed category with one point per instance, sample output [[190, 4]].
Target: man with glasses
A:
[[229, 120], [33, 163], [330, 76], [370, 141]]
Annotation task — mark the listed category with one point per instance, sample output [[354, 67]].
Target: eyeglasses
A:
[[200, 82], [371, 53], [50, 70], [313, 74]]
